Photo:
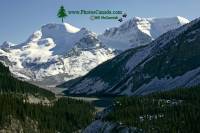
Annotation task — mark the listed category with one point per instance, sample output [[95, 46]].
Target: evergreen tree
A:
[[62, 13]]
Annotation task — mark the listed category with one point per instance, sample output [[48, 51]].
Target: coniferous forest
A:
[[61, 115], [10, 84], [176, 111]]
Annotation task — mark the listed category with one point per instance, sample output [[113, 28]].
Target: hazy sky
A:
[[20, 18]]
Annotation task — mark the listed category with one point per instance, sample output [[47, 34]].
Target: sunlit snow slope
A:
[[139, 31], [55, 53]]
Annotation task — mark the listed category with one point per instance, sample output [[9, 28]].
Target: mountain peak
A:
[[179, 18], [139, 31], [6, 45], [64, 36], [56, 53], [182, 20], [61, 27]]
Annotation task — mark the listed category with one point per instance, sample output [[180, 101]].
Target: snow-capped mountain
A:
[[60, 52], [55, 53], [139, 31], [170, 61]]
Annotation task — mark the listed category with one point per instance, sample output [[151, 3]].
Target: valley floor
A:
[[99, 103]]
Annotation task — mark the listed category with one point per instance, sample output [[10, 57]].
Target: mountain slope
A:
[[56, 52], [170, 61], [10, 84], [28, 108], [139, 31], [173, 111]]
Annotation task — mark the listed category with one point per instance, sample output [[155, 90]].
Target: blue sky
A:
[[19, 18]]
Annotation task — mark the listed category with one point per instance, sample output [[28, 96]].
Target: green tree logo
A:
[[62, 13]]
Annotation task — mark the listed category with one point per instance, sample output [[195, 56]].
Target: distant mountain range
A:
[[171, 61], [60, 52], [139, 31]]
